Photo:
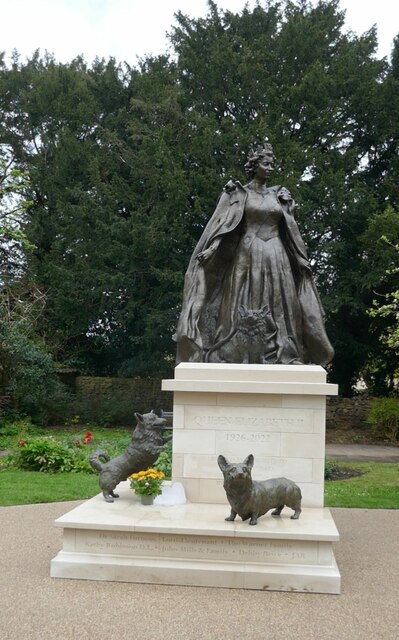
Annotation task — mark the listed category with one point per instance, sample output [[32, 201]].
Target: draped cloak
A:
[[199, 328]]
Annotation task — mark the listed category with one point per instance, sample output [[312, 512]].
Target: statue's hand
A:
[[230, 186], [284, 194], [205, 255]]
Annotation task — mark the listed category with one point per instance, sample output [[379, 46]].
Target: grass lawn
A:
[[378, 488], [33, 487]]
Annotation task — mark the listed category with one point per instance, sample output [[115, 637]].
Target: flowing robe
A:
[[210, 302]]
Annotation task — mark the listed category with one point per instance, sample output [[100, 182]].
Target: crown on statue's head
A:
[[264, 149]]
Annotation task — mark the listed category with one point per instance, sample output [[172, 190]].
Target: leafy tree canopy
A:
[[125, 166]]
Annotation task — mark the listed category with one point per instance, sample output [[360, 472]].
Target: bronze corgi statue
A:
[[251, 499], [146, 445]]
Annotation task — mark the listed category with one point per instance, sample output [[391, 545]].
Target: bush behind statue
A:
[[384, 418], [29, 376], [49, 456], [106, 411]]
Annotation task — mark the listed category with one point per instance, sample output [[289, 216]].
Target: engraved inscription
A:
[[236, 418], [235, 436], [242, 421], [196, 547]]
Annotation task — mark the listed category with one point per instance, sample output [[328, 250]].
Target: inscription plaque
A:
[[243, 418], [196, 547]]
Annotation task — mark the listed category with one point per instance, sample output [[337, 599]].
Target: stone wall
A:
[[144, 394], [348, 413]]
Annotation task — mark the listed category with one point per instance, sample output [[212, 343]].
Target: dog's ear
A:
[[223, 463], [139, 417], [249, 461]]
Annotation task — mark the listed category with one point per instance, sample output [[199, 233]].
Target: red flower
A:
[[85, 440], [89, 436], [22, 443]]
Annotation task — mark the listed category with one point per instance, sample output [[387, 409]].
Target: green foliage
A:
[[164, 462], [147, 483], [13, 214], [14, 430], [384, 418], [125, 166], [27, 370], [49, 456], [330, 467], [32, 448]]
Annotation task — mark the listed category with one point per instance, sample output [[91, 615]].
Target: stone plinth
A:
[[193, 545], [276, 412]]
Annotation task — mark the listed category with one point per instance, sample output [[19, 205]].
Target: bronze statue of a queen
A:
[[249, 295]]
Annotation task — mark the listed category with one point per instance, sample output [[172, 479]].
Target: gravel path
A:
[[35, 606]]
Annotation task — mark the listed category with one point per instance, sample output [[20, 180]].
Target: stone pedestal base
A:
[[276, 412], [193, 545]]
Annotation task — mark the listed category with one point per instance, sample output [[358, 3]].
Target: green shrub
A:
[[18, 429], [49, 456], [330, 467], [384, 418], [46, 455], [164, 462], [29, 375]]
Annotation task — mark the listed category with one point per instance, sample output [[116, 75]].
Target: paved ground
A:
[[37, 607], [359, 452]]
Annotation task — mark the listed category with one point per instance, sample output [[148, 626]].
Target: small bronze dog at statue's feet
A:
[[250, 499], [146, 445]]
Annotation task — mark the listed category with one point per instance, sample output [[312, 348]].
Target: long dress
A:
[[255, 299]]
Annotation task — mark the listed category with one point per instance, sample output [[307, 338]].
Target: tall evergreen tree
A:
[[126, 165]]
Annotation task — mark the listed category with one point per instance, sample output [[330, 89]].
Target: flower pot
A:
[[147, 499]]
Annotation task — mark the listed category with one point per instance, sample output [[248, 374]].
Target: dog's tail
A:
[[94, 459]]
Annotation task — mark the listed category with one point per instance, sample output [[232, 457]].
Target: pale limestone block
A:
[[318, 470], [319, 421], [195, 440], [193, 544], [69, 542], [303, 402], [296, 469], [212, 492], [201, 466], [253, 400], [191, 487], [257, 372], [325, 554], [249, 419], [187, 398], [312, 494], [237, 443], [178, 416], [249, 386], [306, 445], [293, 579], [177, 464]]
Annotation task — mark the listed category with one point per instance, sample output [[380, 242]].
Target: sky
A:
[[130, 29]]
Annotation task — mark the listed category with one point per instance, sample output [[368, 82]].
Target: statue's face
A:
[[265, 167]]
